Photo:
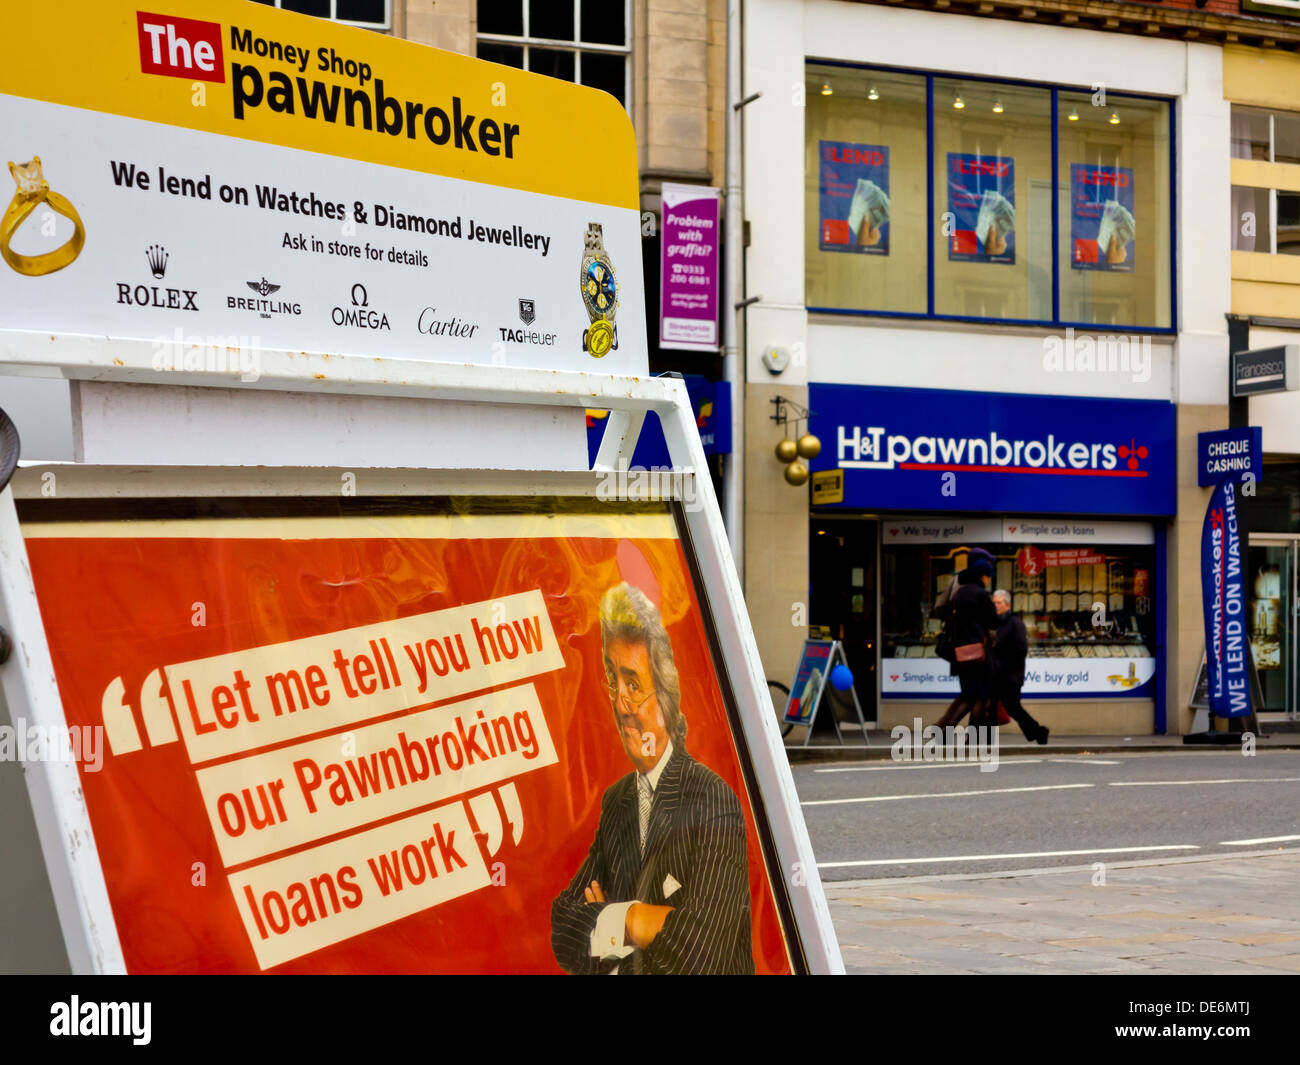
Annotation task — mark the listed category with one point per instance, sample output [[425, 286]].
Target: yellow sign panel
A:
[[828, 487], [246, 70], [226, 178]]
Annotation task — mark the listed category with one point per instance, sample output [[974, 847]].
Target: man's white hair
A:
[[1002, 593]]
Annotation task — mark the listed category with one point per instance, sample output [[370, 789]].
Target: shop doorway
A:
[[843, 581], [1272, 604]]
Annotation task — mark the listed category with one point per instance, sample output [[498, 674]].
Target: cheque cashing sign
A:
[[178, 166]]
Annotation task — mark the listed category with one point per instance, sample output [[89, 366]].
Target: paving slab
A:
[[1166, 917]]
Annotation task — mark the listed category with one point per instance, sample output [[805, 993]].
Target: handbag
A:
[[971, 652], [943, 647]]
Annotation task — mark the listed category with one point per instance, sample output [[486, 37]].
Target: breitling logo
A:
[[263, 287], [264, 307]]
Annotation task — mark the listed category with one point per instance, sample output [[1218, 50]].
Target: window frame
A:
[[1057, 321], [385, 27], [1272, 113], [577, 46]]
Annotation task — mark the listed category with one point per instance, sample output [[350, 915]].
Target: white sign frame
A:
[[27, 681]]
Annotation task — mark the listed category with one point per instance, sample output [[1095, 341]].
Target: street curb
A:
[[881, 752]]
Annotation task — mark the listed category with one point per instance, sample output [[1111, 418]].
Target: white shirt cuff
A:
[[611, 929]]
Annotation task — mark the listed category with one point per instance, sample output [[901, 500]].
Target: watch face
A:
[[598, 291]]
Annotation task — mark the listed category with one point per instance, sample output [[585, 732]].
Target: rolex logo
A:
[[157, 256]]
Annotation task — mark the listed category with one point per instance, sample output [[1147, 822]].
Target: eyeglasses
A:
[[635, 698]]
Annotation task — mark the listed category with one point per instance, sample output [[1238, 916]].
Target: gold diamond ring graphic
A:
[[33, 190]]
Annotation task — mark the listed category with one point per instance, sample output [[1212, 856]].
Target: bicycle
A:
[[780, 694]]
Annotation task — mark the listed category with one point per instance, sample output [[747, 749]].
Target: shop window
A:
[[865, 190], [584, 42], [933, 195], [1089, 614], [1113, 171], [993, 193]]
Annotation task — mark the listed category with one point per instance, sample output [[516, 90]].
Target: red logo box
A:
[[180, 47]]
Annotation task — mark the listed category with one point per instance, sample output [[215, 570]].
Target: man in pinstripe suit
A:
[[665, 885]]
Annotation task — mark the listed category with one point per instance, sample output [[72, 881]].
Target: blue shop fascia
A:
[[1072, 495]]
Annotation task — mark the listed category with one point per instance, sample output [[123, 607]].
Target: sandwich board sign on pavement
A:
[[812, 677]]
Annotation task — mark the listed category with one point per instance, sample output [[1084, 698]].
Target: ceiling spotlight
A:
[[1114, 118], [826, 88], [958, 103], [997, 107], [872, 94], [1073, 116]]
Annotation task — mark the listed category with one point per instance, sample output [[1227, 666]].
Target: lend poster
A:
[[1223, 596], [688, 268], [405, 744], [853, 197], [1103, 231], [982, 205]]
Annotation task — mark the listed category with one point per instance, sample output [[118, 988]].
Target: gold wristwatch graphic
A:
[[33, 190], [599, 295]]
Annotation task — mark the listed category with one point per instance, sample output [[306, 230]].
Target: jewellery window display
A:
[[1076, 602]]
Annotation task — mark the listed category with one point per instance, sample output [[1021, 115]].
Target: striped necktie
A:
[[645, 796]]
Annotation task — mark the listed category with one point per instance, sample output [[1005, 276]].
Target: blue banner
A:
[[918, 449], [982, 208], [853, 197], [1223, 593]]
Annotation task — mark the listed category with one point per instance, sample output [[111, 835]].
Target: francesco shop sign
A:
[[925, 449]]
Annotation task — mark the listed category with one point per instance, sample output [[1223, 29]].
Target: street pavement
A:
[[1221, 915], [1146, 862]]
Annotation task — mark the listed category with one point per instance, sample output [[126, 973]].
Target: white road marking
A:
[[1225, 780], [1253, 842], [942, 794], [1083, 761], [923, 765], [1001, 857]]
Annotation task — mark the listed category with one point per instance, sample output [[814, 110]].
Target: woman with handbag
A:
[[969, 618]]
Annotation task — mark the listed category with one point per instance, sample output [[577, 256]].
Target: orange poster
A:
[[469, 741]]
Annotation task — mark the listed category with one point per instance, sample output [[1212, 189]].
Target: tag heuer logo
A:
[[526, 312]]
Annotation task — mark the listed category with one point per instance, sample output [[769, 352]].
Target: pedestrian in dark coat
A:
[[1010, 646], [969, 619]]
